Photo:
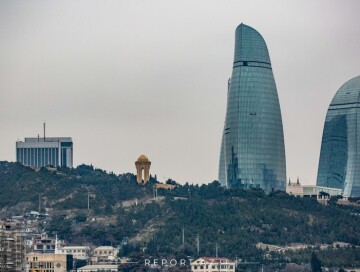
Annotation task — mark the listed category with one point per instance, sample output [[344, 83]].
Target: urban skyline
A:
[[77, 67]]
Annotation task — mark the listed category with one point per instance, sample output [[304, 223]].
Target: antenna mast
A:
[[183, 238], [44, 131], [198, 244]]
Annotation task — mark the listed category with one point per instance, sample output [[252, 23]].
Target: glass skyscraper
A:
[[252, 150], [339, 164]]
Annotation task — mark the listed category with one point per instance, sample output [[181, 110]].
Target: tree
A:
[[315, 263]]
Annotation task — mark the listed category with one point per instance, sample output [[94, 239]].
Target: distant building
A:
[[98, 268], [12, 249], [340, 145], [252, 151], [38, 262], [164, 186], [44, 151], [44, 244], [142, 169], [212, 264], [104, 254], [78, 252], [297, 189]]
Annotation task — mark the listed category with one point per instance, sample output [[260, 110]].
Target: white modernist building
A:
[[297, 189], [50, 151]]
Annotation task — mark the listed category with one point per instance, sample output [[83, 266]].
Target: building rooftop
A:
[[104, 248], [143, 158], [348, 93], [48, 139], [98, 266]]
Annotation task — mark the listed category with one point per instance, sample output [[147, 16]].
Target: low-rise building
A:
[[212, 264], [44, 244], [38, 262], [297, 189], [98, 268], [164, 186], [104, 254], [78, 252]]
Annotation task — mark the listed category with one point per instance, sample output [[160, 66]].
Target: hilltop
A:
[[64, 188]]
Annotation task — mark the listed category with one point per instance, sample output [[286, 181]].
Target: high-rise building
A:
[[40, 152], [252, 149], [339, 164]]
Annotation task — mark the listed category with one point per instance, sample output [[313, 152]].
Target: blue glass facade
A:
[[339, 164], [252, 150]]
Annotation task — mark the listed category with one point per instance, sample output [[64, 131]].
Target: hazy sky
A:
[[125, 78]]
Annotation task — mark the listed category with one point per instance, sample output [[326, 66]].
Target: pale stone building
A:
[[105, 254], [78, 252], [212, 264], [38, 262]]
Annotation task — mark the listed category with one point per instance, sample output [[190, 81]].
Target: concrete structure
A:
[[252, 151], [104, 254], [340, 146], [297, 189], [164, 186], [12, 250], [42, 243], [212, 264], [78, 252], [37, 262], [142, 169], [98, 268], [41, 152]]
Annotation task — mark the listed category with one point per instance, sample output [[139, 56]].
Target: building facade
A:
[[37, 262], [105, 254], [78, 252], [42, 243], [212, 264], [252, 149], [297, 189], [339, 163], [12, 249], [41, 152]]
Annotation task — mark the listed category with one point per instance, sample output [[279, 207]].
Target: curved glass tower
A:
[[252, 150], [339, 164]]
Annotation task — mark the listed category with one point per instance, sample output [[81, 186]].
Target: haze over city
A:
[[130, 78]]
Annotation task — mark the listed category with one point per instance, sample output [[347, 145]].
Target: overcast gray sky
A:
[[125, 78]]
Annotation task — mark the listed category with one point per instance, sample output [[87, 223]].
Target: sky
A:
[[125, 78]]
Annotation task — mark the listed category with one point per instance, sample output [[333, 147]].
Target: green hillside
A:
[[234, 221]]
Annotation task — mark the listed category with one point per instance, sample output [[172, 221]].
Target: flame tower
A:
[[252, 150], [340, 146]]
